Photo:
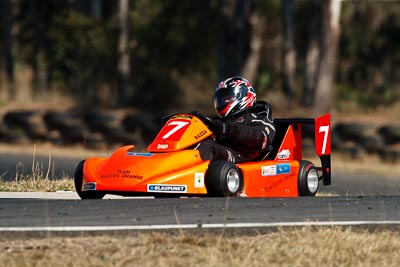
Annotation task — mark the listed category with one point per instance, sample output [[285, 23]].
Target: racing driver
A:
[[243, 132]]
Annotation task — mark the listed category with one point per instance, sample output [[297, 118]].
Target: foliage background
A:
[[70, 48]]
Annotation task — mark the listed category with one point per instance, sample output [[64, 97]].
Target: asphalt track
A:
[[24, 215], [365, 200]]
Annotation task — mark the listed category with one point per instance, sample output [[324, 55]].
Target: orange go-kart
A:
[[172, 167]]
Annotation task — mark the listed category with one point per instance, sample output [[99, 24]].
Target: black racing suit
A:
[[246, 136]]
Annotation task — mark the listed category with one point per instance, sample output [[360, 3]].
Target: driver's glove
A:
[[218, 127]]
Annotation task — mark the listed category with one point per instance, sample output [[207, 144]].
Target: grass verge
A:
[[308, 246], [31, 184], [36, 180]]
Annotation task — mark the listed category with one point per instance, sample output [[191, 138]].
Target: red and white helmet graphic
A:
[[233, 95]]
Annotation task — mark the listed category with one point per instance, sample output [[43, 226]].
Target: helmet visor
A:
[[224, 96]]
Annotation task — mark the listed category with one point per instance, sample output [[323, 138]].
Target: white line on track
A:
[[55, 195], [192, 226]]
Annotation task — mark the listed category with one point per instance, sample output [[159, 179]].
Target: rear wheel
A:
[[78, 185], [308, 180], [223, 179]]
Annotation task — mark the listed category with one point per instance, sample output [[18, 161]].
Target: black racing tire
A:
[[55, 120], [390, 154], [308, 179], [74, 132], [372, 144], [147, 123], [391, 133], [117, 135], [18, 117], [353, 131], [78, 185], [35, 130], [98, 120], [95, 141], [223, 179], [12, 136]]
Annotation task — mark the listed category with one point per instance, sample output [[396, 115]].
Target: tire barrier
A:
[[358, 139], [94, 129], [100, 129], [370, 139]]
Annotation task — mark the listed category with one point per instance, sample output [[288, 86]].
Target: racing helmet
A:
[[233, 95]]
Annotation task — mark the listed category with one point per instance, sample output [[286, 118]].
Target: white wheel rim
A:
[[312, 181], [232, 180]]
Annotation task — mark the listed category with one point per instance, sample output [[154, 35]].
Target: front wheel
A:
[[308, 180], [78, 185], [223, 179]]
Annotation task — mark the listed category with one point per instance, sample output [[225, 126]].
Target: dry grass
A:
[[30, 184], [37, 180], [291, 247]]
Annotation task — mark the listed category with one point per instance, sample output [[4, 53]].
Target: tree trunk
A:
[[250, 67], [242, 32], [124, 67], [330, 35], [225, 13], [7, 53], [96, 8], [40, 77], [312, 57], [289, 52]]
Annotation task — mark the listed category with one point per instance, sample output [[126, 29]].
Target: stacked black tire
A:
[[91, 128], [356, 139], [98, 129]]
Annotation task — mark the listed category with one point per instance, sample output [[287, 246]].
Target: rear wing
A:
[[287, 143]]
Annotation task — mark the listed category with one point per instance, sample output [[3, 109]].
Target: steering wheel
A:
[[205, 119]]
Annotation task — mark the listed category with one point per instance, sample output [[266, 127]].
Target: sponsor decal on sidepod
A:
[[171, 188], [283, 168], [268, 170], [89, 186], [277, 169], [199, 179]]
